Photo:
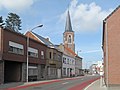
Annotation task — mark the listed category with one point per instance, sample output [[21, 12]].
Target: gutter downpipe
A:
[[106, 34]]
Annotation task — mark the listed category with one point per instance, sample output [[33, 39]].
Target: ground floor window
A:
[[52, 71], [64, 71]]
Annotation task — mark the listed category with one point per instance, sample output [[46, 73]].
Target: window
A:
[[64, 71], [15, 48], [33, 70], [69, 39], [54, 56], [68, 71], [50, 55], [68, 61], [72, 61], [64, 60], [32, 52], [52, 71], [42, 54]]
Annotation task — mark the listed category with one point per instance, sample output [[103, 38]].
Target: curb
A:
[[90, 85], [39, 83]]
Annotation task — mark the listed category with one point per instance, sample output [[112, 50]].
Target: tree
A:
[[13, 22], [1, 22]]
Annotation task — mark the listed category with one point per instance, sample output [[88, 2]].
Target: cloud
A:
[[86, 17], [16, 5], [92, 51]]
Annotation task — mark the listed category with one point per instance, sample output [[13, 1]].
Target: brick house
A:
[[111, 48], [13, 55], [53, 57]]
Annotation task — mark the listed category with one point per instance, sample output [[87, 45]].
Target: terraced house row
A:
[[46, 60]]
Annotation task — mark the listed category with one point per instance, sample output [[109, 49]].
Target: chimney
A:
[[47, 39]]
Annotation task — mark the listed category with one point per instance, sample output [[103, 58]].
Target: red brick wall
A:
[[21, 39], [1, 43], [12, 36], [113, 28], [72, 45]]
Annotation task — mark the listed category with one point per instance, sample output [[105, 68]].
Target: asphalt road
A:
[[62, 84]]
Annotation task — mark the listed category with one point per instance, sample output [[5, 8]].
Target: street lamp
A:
[[28, 47]]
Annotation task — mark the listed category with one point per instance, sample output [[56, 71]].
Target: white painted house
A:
[[68, 66]]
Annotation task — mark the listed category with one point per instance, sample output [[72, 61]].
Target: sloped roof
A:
[[69, 50], [104, 22], [112, 13], [44, 40], [72, 52], [68, 26]]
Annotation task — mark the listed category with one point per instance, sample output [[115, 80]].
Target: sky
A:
[[86, 18]]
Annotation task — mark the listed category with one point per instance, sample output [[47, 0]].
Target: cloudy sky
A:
[[86, 17]]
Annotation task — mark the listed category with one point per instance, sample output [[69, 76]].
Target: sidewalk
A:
[[96, 85]]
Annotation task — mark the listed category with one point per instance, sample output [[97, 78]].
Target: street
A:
[[77, 83]]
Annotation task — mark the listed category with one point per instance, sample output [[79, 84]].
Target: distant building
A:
[[93, 69], [69, 45], [78, 66], [111, 48], [74, 68], [68, 66], [100, 68]]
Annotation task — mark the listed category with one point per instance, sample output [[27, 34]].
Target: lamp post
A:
[[28, 47]]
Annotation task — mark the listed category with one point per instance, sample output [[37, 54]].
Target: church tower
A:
[[68, 35]]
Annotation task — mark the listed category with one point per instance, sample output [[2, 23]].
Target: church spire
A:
[[68, 35], [68, 27]]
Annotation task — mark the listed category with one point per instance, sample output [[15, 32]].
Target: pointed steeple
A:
[[68, 27]]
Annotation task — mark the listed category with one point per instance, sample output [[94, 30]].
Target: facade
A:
[[78, 66], [68, 66], [111, 49], [13, 55], [53, 57], [54, 63]]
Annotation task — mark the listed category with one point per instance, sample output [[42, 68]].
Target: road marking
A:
[[82, 79], [65, 82], [90, 85]]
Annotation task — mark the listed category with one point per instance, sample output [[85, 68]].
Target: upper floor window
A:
[[54, 56], [32, 52], [50, 55], [16, 48], [64, 60], [73, 62], [68, 61], [42, 55], [69, 39]]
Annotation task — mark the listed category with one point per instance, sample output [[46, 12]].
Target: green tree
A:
[[13, 22], [1, 22]]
